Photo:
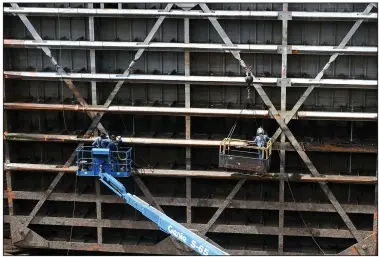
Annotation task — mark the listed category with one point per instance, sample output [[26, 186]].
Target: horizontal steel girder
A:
[[197, 202], [309, 147], [139, 249], [193, 47], [217, 228], [193, 14], [195, 80], [200, 112], [207, 174]]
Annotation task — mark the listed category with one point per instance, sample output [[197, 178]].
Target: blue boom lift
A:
[[106, 164]]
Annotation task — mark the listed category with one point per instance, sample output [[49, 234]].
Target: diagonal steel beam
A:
[[127, 71], [97, 119], [22, 227], [223, 206], [307, 161], [285, 129], [223, 35], [47, 51], [309, 90], [153, 202]]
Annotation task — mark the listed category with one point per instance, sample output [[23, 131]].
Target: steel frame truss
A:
[[21, 227], [281, 122]]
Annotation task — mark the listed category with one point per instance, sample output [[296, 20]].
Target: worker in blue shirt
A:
[[261, 140], [113, 143], [113, 149], [97, 142]]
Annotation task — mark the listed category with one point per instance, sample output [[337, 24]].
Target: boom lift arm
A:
[[165, 223]]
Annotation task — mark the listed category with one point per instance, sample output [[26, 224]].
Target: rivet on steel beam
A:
[[285, 16]]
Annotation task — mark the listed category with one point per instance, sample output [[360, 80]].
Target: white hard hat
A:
[[260, 131]]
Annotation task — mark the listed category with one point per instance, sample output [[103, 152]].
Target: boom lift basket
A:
[[91, 161], [243, 155]]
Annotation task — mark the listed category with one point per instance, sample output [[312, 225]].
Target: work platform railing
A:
[[248, 157], [119, 162]]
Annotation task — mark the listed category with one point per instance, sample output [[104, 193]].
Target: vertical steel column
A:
[[91, 32], [98, 213], [92, 53], [282, 153], [187, 95], [8, 176]]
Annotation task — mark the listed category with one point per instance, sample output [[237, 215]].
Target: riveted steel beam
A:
[[47, 51], [193, 14], [192, 47], [197, 202], [198, 80], [208, 174]]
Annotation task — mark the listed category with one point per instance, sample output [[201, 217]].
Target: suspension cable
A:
[[301, 216]]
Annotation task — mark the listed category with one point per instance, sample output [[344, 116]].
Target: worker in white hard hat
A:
[[261, 140]]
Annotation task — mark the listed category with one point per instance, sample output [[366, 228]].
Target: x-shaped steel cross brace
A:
[[47, 51], [282, 123]]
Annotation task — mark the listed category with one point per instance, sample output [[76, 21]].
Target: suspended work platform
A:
[[247, 157]]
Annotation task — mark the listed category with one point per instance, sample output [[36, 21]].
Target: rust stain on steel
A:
[[95, 248], [5, 135], [295, 51], [10, 197], [374, 235], [340, 148], [354, 250], [10, 193]]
